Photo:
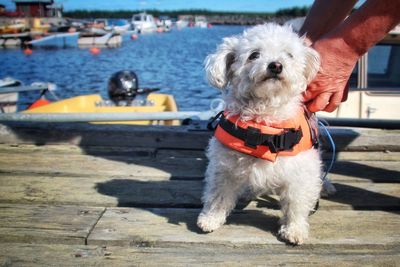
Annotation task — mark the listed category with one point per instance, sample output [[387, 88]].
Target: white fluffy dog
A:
[[265, 70]]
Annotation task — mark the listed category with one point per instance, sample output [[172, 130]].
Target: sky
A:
[[217, 5]]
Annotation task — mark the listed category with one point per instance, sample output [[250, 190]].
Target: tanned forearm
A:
[[340, 49], [368, 25], [324, 16]]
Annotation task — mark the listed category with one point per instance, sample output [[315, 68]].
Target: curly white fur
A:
[[253, 92]]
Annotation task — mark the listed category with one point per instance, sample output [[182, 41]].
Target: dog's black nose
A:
[[275, 67]]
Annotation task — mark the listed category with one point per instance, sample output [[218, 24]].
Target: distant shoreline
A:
[[214, 17]]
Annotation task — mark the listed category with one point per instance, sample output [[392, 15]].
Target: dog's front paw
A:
[[293, 234], [210, 222]]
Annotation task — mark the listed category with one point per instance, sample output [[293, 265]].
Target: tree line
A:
[[127, 14]]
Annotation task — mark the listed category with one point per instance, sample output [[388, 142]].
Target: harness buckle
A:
[[285, 141], [213, 122], [272, 143], [252, 137]]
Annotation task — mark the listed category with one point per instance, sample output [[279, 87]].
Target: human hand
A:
[[328, 89]]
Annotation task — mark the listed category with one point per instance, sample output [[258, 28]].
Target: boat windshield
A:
[[383, 68], [137, 18]]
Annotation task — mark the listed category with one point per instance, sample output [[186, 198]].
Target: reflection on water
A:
[[171, 61]]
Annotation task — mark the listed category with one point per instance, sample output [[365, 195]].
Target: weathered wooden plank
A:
[[102, 151], [357, 196], [339, 156], [353, 139], [100, 191], [15, 254], [47, 224], [93, 165], [62, 149], [363, 156], [364, 171], [358, 139], [158, 227], [142, 164], [128, 192], [83, 134]]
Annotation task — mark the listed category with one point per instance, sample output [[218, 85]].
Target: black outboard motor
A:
[[123, 87]]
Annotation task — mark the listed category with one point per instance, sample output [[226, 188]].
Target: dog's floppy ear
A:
[[218, 65], [312, 64]]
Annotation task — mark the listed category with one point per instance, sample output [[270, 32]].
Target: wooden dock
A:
[[97, 195]]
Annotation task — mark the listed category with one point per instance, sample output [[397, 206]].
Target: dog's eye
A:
[[254, 55], [289, 54]]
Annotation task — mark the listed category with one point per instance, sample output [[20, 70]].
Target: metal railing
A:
[[105, 117]]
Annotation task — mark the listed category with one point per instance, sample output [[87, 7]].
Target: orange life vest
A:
[[287, 138]]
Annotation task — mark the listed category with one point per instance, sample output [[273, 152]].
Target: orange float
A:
[[28, 51], [95, 50]]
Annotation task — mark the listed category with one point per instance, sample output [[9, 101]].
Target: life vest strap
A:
[[253, 137]]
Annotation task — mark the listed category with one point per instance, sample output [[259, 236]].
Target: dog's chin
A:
[[268, 86]]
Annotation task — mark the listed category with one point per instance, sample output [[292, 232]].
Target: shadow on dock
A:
[[176, 151], [126, 190]]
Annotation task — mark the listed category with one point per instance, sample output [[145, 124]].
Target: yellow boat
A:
[[95, 104]]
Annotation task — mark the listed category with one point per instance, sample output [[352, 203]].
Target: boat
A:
[[183, 21], [164, 24], [127, 104], [120, 25], [17, 25], [125, 97], [8, 100], [96, 104], [200, 22], [56, 40], [12, 40], [99, 38], [143, 23], [10, 89]]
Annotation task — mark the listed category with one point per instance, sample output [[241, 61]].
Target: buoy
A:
[[28, 51], [159, 30], [209, 25], [134, 36], [95, 50]]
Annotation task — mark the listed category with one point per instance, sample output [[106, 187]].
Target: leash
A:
[[333, 146]]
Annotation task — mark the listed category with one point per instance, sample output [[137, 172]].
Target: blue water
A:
[[170, 61]]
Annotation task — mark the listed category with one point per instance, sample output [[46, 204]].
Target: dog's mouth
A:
[[271, 77]]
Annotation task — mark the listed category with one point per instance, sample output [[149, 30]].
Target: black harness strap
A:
[[253, 137]]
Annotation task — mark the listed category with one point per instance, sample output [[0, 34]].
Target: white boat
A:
[[10, 89], [200, 21], [184, 21], [181, 23], [164, 24], [121, 26], [143, 23], [108, 25], [91, 39], [56, 40], [8, 100]]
